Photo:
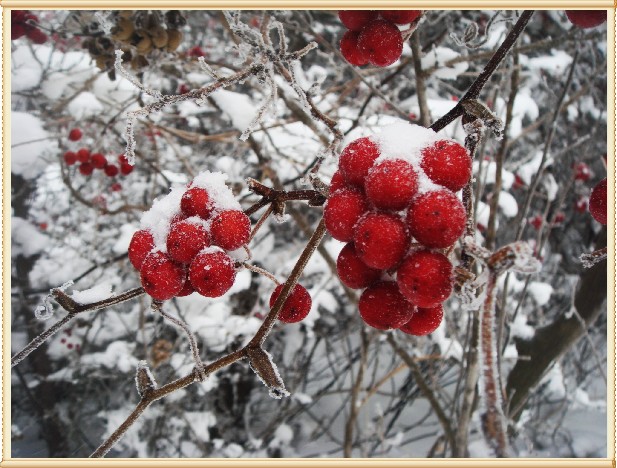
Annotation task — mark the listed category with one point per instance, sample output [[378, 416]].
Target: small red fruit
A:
[[356, 160], [196, 202], [230, 229], [342, 211], [212, 274], [161, 277], [581, 172], [381, 239], [355, 20], [125, 169], [186, 239], [391, 184], [111, 170], [350, 50], [536, 221], [381, 42], [560, 217], [37, 36], [141, 245], [447, 163], [296, 307], [70, 158], [382, 306], [116, 187], [86, 169], [187, 289], [424, 321], [98, 160], [83, 155], [75, 134], [586, 18], [352, 271], [400, 16], [436, 219], [425, 278], [580, 206], [337, 182], [598, 202]]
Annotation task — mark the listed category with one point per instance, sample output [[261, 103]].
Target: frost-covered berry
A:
[[351, 51], [382, 306], [70, 158], [447, 163], [83, 155], [598, 202], [352, 271], [125, 168], [212, 273], [111, 170], [436, 219], [230, 229], [37, 36], [296, 307], [196, 202], [425, 278], [186, 239], [581, 171], [115, 187], [586, 18], [75, 134], [536, 221], [187, 289], [391, 184], [424, 321], [161, 277], [400, 16], [342, 211], [337, 182], [356, 160], [380, 239], [381, 42], [98, 160], [141, 245], [86, 168], [355, 20]]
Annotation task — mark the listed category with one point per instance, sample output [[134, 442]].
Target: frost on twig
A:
[[480, 111], [138, 84], [45, 310], [261, 363], [590, 259], [144, 380]]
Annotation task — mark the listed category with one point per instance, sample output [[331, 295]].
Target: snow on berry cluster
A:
[[374, 36], [393, 201], [185, 238]]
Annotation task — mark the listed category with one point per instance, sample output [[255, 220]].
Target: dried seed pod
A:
[[174, 38], [174, 19], [159, 36], [125, 13], [123, 30], [144, 43], [103, 62], [138, 62]]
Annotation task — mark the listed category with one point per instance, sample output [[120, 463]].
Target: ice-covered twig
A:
[[590, 259], [144, 380], [138, 84]]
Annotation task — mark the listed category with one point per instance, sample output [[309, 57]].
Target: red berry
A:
[[122, 159], [355, 20], [381, 42], [518, 181], [342, 211], [75, 134], [356, 160], [352, 271], [598, 202], [186, 239], [400, 16], [297, 305], [125, 169], [98, 160], [196, 202], [116, 187], [391, 184], [381, 239], [187, 289], [337, 182], [382, 306], [425, 278], [43, 226], [447, 163], [436, 219], [111, 170], [83, 155], [230, 229], [349, 49], [536, 221], [581, 205], [17, 30], [70, 158], [586, 18], [212, 274], [86, 168], [141, 245], [581, 171], [196, 51], [424, 321], [560, 217], [37, 36], [183, 88], [161, 277]]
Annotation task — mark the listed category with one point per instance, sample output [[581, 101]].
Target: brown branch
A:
[[355, 391], [416, 49]]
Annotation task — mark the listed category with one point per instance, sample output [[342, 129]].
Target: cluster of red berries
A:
[[374, 36], [586, 18], [22, 24], [385, 194], [182, 245], [88, 161]]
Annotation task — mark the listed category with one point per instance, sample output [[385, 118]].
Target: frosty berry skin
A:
[[111, 170], [86, 169], [355, 20], [424, 321], [400, 16], [337, 182], [357, 159], [586, 18], [391, 184], [342, 211], [448, 164], [161, 277], [98, 160], [380, 239], [141, 244], [70, 158], [297, 305], [212, 274], [352, 271], [382, 306], [230, 229], [425, 278], [186, 239], [598, 201], [83, 155], [196, 202], [381, 42], [351, 51], [75, 134]]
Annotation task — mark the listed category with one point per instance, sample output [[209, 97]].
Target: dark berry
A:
[[83, 155], [598, 202], [425, 278], [447, 163], [297, 305], [125, 169], [355, 20], [382, 306], [337, 182], [352, 271], [536, 221], [581, 171], [37, 36], [98, 160], [86, 168], [70, 158], [116, 187], [380, 239], [391, 184], [424, 321], [586, 18], [381, 42], [436, 219], [161, 277], [141, 245], [196, 202], [212, 274], [111, 170], [349, 49], [75, 134], [400, 16], [230, 229], [342, 211], [356, 160], [186, 239]]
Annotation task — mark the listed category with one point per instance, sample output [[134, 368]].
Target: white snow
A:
[[508, 204], [437, 57], [85, 105], [26, 239], [238, 107], [96, 293], [27, 158], [540, 292]]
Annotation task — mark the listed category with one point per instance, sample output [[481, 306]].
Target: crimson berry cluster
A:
[[185, 238], [392, 200], [374, 36], [22, 24]]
